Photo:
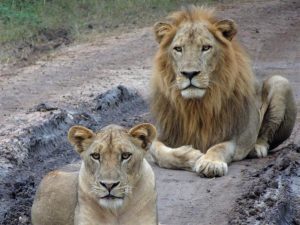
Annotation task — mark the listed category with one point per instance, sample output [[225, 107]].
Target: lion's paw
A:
[[261, 150], [210, 168]]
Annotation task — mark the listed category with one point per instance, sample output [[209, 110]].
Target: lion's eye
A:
[[95, 156], [126, 155], [206, 48], [178, 49]]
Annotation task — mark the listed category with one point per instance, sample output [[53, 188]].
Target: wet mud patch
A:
[[42, 147], [272, 194]]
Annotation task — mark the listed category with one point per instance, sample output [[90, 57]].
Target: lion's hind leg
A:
[[183, 157], [279, 114]]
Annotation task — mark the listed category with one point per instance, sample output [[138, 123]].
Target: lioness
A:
[[209, 108], [115, 184]]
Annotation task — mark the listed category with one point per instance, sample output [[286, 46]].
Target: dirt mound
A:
[[274, 195], [114, 97]]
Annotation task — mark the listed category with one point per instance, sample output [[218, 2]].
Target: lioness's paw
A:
[[261, 150], [210, 168]]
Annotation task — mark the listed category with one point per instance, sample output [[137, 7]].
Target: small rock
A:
[[23, 219]]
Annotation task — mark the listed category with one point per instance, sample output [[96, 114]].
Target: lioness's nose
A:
[[189, 74], [110, 185]]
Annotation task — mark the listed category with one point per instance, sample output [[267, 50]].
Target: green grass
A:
[[28, 20]]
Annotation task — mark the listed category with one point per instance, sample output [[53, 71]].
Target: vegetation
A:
[[39, 21]]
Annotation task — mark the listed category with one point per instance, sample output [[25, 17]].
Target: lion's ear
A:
[[161, 29], [228, 28], [80, 137], [144, 133]]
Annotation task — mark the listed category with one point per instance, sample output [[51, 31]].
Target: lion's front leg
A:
[[215, 162], [183, 157]]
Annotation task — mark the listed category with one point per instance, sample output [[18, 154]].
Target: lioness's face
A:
[[112, 160], [193, 52]]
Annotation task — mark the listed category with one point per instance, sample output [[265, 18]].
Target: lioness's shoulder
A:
[[58, 190]]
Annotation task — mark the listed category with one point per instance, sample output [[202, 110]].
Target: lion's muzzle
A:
[[189, 74]]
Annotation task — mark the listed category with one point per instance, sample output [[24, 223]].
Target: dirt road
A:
[[258, 191]]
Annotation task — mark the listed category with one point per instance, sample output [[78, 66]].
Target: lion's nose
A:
[[110, 185], [189, 74]]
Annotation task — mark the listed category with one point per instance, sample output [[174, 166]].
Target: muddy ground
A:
[[79, 85]]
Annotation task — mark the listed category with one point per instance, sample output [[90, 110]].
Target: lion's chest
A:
[[184, 131]]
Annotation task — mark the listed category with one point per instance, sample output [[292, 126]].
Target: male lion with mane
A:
[[114, 185], [210, 109]]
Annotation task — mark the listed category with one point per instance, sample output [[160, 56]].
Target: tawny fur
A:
[[195, 122], [75, 195]]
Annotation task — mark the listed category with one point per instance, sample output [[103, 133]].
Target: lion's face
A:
[[194, 51], [112, 160]]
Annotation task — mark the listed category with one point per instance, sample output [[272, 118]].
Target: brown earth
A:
[[256, 191]]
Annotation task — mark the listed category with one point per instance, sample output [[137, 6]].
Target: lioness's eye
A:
[[178, 49], [95, 156], [206, 47], [126, 155]]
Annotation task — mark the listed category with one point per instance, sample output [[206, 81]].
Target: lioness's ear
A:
[[145, 133], [80, 137], [227, 27], [161, 29]]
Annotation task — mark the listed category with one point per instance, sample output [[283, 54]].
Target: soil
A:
[[105, 82]]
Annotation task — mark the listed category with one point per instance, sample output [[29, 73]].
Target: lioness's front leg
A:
[[214, 162], [183, 157]]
